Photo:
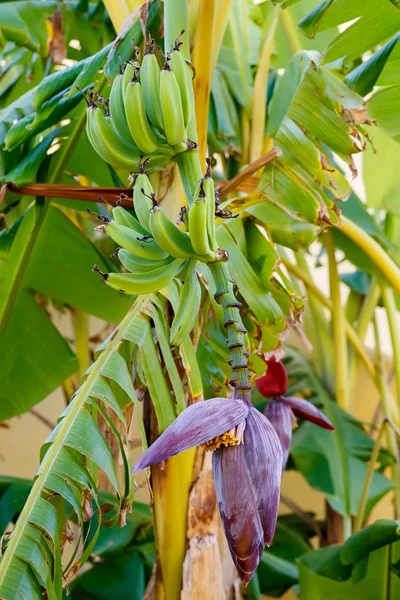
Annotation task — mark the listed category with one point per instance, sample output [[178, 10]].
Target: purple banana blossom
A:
[[247, 466], [282, 411]]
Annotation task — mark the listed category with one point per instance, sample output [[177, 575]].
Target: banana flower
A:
[[246, 464]]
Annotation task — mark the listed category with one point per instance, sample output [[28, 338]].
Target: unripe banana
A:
[[117, 110], [150, 82], [142, 201], [168, 235], [189, 305], [138, 123], [112, 148], [171, 106], [137, 264], [183, 76], [123, 217], [141, 283], [209, 190], [133, 241], [107, 142], [198, 216]]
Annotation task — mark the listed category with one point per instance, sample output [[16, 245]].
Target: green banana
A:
[[189, 305], [209, 190], [142, 202], [133, 241], [150, 82], [117, 110], [171, 106], [137, 264], [141, 283], [183, 76], [198, 217], [123, 217], [112, 148], [108, 143], [168, 235], [138, 123]]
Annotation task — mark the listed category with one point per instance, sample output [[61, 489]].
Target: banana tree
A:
[[184, 181]]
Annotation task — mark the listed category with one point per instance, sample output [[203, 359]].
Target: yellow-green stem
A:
[[259, 103], [339, 329], [387, 412], [367, 483], [351, 333], [389, 302], [376, 253], [290, 31], [364, 319], [320, 331]]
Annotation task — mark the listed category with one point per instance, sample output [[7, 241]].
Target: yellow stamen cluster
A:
[[226, 439]]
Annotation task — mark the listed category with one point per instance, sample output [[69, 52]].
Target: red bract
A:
[[274, 381], [282, 413]]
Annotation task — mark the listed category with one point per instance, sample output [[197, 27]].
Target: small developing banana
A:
[[209, 190], [141, 282], [138, 122], [142, 202], [202, 218], [188, 308], [150, 81], [171, 106], [117, 109], [183, 73], [167, 234]]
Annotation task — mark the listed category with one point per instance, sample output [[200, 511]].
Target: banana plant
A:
[[217, 142]]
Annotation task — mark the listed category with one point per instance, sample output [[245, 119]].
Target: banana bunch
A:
[[152, 248], [147, 114]]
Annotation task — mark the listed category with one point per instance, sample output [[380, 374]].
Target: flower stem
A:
[[339, 329], [236, 331]]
